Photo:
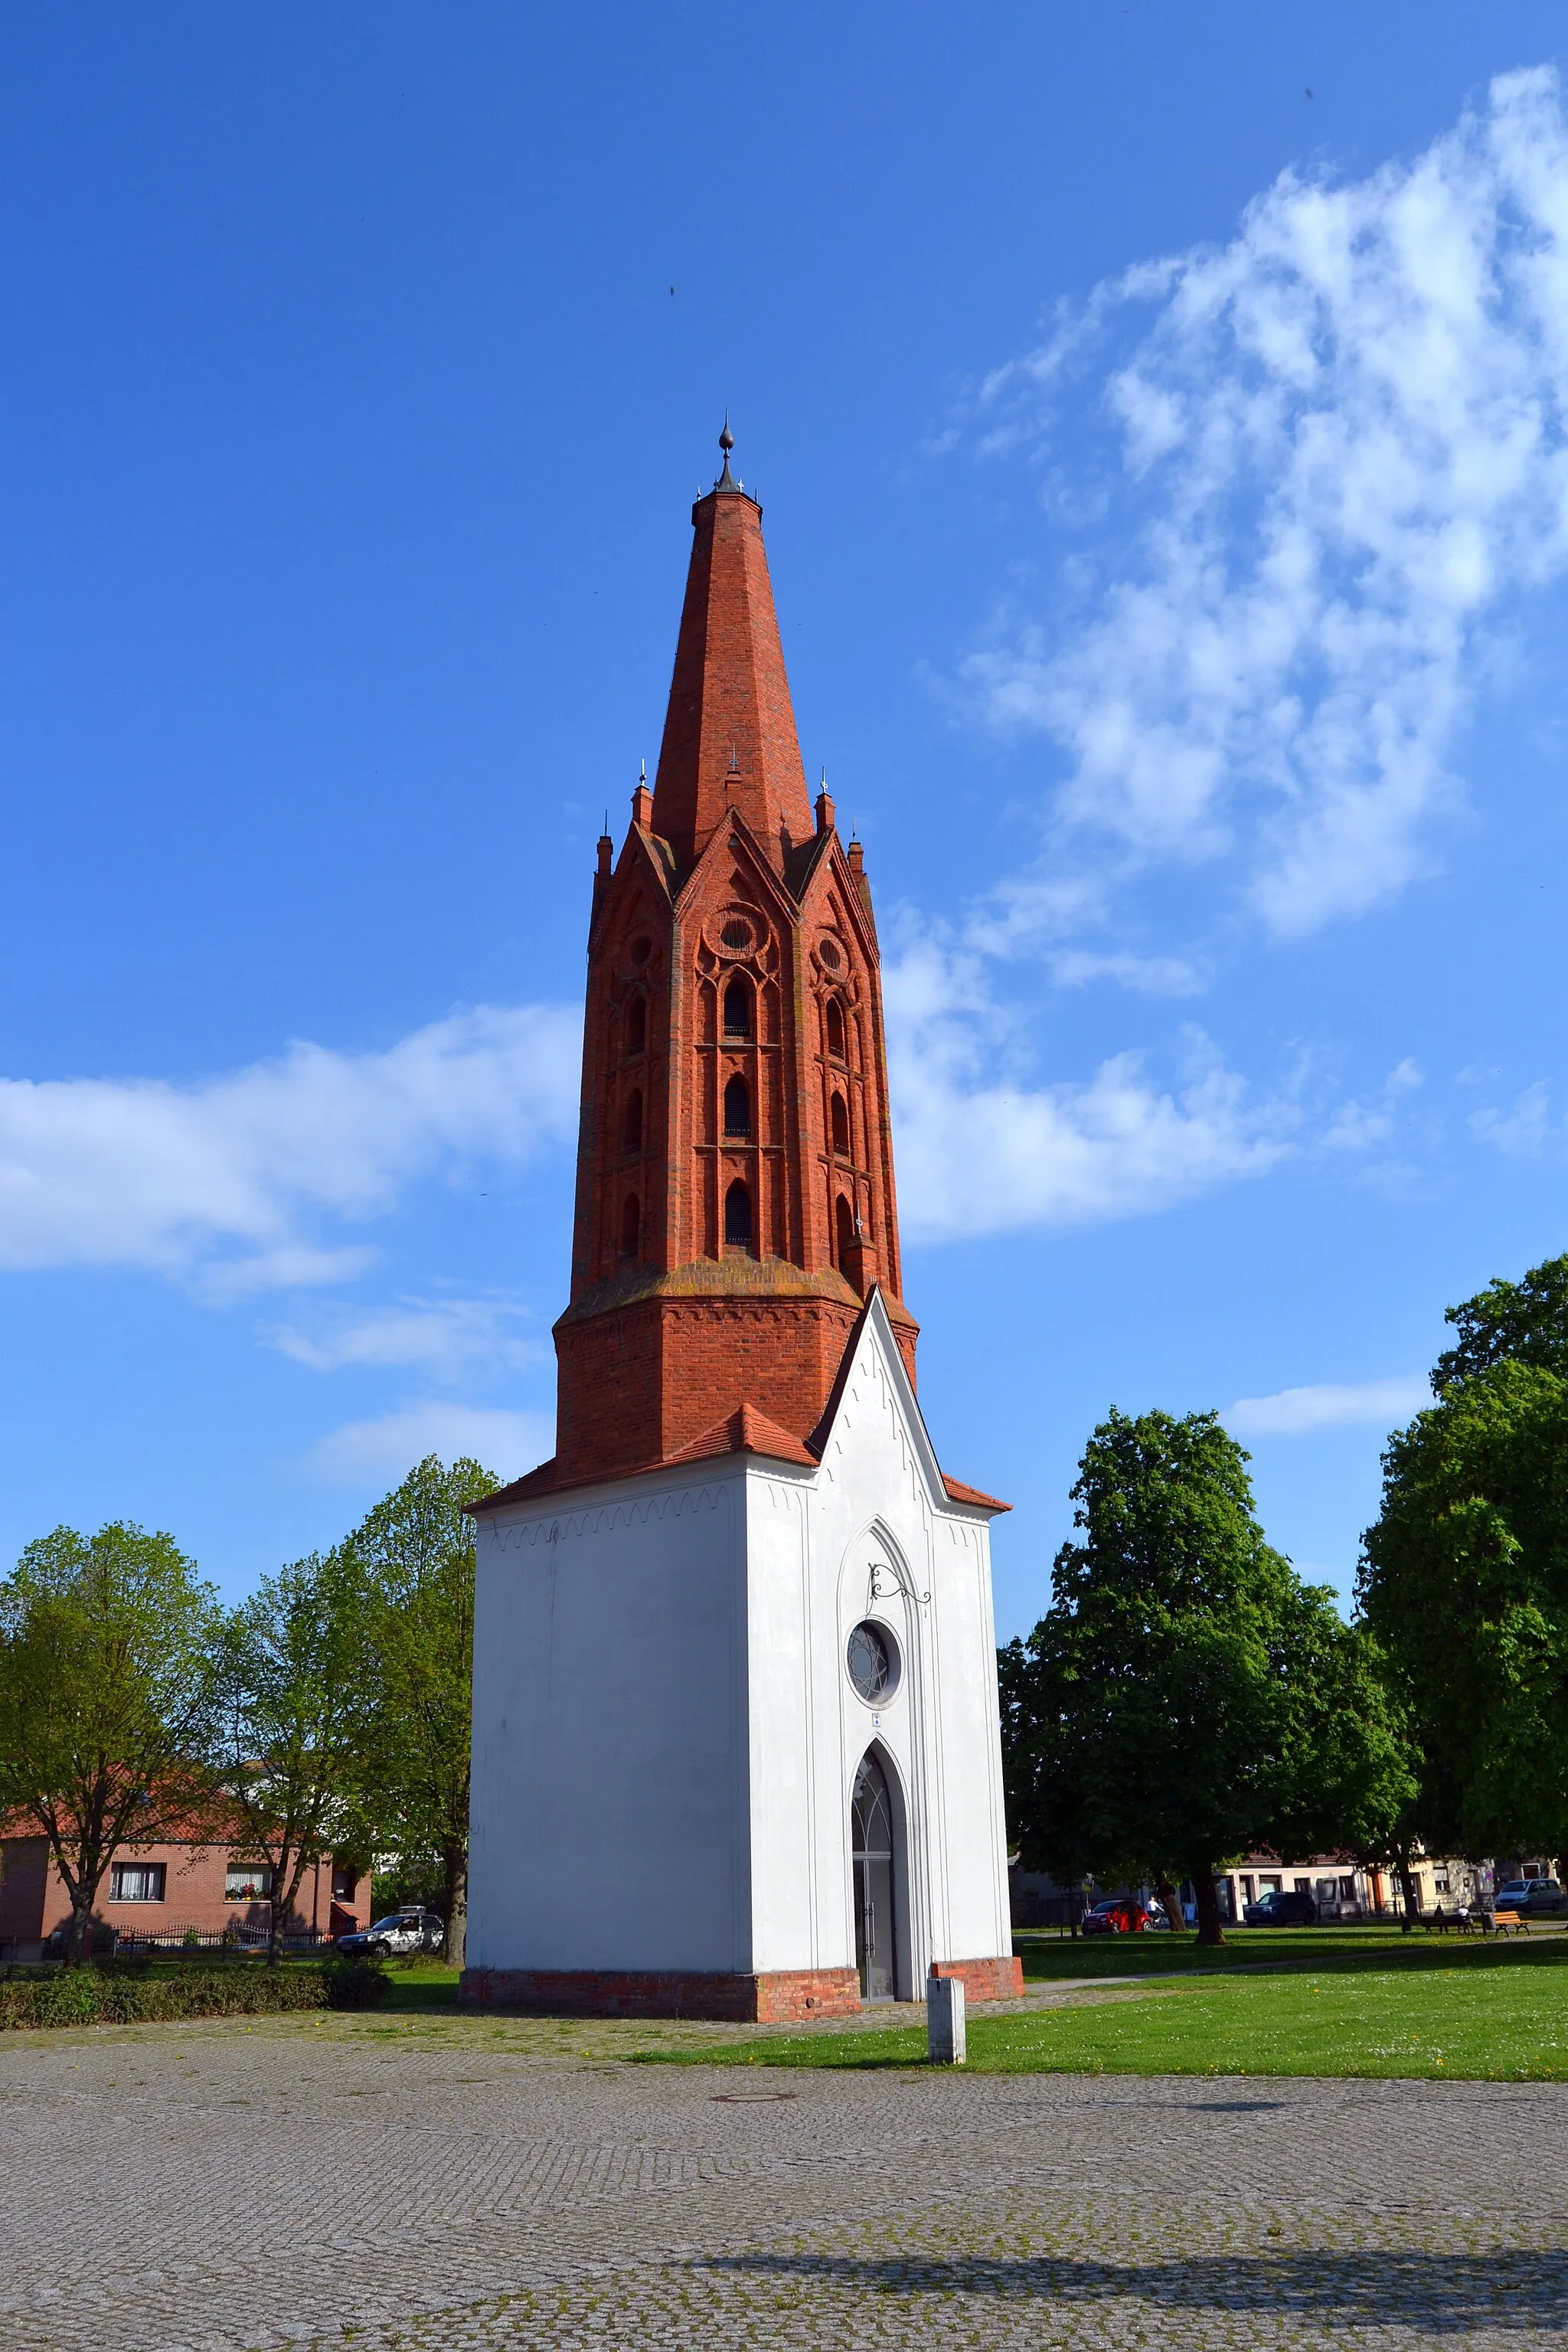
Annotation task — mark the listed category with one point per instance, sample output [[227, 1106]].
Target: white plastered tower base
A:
[[666, 1737]]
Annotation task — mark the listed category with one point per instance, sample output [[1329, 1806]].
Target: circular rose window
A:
[[872, 1658], [736, 935], [828, 951]]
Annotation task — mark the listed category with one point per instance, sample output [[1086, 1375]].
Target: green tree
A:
[[1509, 1322], [415, 1556], [1186, 1696], [1464, 1582], [294, 1719], [108, 1699]]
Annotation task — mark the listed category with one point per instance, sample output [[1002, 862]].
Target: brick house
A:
[[166, 1889]]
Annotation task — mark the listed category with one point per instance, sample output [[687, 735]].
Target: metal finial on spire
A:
[[726, 480], [642, 771]]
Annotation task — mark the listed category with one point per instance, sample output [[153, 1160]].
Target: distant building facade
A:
[[1341, 1889], [169, 1889]]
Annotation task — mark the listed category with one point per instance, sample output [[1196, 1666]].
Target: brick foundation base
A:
[[984, 1979], [779, 1996]]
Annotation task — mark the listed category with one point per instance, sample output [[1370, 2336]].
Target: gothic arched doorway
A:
[[873, 1844]]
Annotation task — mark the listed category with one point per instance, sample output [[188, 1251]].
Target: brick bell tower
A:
[[736, 1748], [735, 1199]]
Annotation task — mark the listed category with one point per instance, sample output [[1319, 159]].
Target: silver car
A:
[[402, 1932]]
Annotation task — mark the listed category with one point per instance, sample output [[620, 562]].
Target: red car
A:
[[1123, 1915]]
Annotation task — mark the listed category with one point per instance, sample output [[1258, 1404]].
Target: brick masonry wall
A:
[[778, 1997], [998, 1980]]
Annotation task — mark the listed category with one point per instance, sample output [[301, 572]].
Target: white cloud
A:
[[1344, 442], [1362, 1126], [1523, 1131], [1152, 975], [228, 1181], [1386, 1404], [448, 1337], [367, 1453], [977, 1155]]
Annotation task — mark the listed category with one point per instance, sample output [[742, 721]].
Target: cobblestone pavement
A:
[[477, 2185]]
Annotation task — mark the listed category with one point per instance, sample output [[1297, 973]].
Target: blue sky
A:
[[1158, 418]]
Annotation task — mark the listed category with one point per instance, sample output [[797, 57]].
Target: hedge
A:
[[91, 1996]]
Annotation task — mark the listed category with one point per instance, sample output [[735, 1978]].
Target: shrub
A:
[[353, 1984], [116, 1997]]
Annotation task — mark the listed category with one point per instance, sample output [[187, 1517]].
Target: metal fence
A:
[[168, 1944]]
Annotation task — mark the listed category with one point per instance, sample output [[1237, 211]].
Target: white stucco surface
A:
[[665, 1733]]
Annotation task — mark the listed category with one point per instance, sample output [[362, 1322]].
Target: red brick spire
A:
[[729, 733], [735, 1199]]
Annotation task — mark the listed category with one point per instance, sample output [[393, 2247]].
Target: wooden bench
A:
[[1505, 1920]]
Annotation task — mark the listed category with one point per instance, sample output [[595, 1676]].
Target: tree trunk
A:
[[280, 1904], [1170, 1902], [456, 1871], [82, 1915], [82, 1886], [1408, 1889], [1210, 1932]]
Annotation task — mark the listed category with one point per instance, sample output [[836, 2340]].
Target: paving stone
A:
[[474, 2187]]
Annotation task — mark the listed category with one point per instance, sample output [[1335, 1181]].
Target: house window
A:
[[1347, 1890], [631, 1122], [738, 1217], [637, 1024], [840, 1117], [737, 1108], [1303, 1886], [631, 1226], [1440, 1881], [836, 1027], [136, 1882], [737, 1009], [247, 1882], [345, 1886], [1246, 1892]]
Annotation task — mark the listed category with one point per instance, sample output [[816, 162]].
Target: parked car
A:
[[1533, 1895], [1281, 1907], [401, 1932], [1123, 1915]]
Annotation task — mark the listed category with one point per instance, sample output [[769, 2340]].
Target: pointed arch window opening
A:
[[631, 1227], [844, 1232], [636, 1027], [833, 1019], [631, 1122], [838, 1120], [738, 1222], [737, 1110], [738, 1010]]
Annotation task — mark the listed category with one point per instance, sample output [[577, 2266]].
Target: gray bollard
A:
[[944, 2021]]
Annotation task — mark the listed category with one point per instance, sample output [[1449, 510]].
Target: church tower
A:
[[658, 1824]]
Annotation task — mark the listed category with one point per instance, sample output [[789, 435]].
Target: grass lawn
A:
[[419, 1985], [1048, 1958], [1473, 2015]]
